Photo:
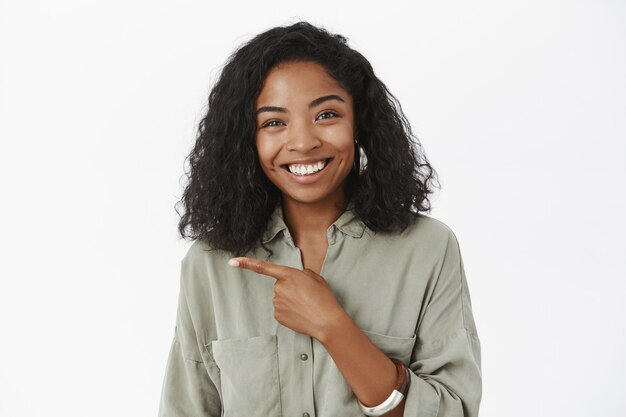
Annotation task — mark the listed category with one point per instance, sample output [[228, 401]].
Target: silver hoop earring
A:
[[362, 158]]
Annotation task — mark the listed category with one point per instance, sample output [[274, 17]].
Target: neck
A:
[[310, 221]]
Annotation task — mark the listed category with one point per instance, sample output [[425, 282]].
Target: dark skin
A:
[[298, 118]]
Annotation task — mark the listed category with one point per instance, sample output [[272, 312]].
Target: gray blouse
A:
[[406, 291]]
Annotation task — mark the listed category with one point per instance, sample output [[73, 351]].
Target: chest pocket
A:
[[341, 397], [393, 346], [249, 376]]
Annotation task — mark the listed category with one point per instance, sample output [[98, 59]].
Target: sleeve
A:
[[445, 365], [188, 387]]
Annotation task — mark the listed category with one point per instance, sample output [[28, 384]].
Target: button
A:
[[304, 357], [305, 414]]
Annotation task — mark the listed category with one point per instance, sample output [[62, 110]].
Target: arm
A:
[[188, 389], [445, 365], [368, 371]]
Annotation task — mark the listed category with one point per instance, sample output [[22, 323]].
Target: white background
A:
[[520, 107]]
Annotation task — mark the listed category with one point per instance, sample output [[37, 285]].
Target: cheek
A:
[[347, 145], [266, 151], [340, 136]]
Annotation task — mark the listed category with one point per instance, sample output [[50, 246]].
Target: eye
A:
[[269, 124], [333, 114]]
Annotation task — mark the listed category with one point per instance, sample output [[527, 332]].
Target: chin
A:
[[305, 198]]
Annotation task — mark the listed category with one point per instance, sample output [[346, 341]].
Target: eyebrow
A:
[[312, 104]]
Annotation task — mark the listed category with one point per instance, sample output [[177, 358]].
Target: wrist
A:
[[335, 324], [394, 404]]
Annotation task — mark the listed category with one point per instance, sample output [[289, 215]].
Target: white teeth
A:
[[306, 169]]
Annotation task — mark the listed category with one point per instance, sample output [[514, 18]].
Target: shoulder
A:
[[200, 263], [430, 226], [439, 236], [427, 230], [426, 237], [201, 252]]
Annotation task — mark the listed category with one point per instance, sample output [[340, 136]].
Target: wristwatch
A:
[[398, 393]]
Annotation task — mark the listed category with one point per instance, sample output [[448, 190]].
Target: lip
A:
[[309, 161], [307, 179]]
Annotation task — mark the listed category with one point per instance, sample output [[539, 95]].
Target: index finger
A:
[[262, 267]]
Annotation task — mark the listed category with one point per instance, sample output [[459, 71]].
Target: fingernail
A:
[[233, 262]]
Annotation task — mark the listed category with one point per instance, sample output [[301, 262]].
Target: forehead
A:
[[297, 81]]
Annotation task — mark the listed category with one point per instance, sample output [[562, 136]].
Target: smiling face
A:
[[305, 121]]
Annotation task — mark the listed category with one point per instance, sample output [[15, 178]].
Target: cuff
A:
[[421, 399]]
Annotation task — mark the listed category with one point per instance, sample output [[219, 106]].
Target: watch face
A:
[[380, 410], [397, 395]]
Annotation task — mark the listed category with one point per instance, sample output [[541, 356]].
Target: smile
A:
[[307, 169], [304, 174]]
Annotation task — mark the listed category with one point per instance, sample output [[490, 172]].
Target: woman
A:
[[314, 286]]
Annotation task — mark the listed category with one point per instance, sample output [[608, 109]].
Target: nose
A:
[[302, 139]]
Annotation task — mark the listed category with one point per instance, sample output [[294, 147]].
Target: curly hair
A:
[[228, 200]]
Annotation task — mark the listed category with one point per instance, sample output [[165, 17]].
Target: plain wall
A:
[[519, 106]]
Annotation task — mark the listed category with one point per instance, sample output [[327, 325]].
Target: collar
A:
[[348, 223]]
